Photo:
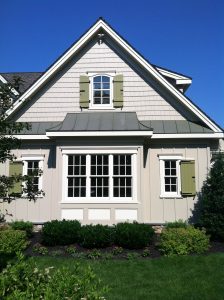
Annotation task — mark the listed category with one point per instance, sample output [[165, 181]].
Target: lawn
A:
[[189, 277]]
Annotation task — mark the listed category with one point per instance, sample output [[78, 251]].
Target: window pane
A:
[[70, 192], [97, 79], [128, 170], [115, 159], [167, 172], [128, 192], [97, 94], [70, 160], [106, 94], [122, 192], [116, 192], [76, 159], [106, 86], [96, 86], [70, 170], [96, 100], [173, 172], [93, 192], [93, 170], [173, 164], [128, 159], [167, 164], [105, 79], [106, 100]]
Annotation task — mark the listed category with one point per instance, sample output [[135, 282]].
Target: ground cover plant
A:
[[170, 278], [25, 280], [23, 225], [183, 241]]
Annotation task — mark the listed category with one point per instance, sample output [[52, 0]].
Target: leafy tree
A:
[[212, 200], [8, 128]]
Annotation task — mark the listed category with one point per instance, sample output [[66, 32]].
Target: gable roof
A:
[[101, 25], [28, 78]]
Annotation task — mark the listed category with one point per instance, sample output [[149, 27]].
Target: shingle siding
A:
[[61, 96]]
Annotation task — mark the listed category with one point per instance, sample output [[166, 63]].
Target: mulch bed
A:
[[61, 250]]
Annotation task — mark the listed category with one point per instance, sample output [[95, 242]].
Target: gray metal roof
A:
[[114, 121], [175, 126], [100, 121], [28, 78]]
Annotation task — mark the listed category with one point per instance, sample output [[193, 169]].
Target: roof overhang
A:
[[142, 133], [102, 25]]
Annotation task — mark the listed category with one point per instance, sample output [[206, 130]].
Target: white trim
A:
[[100, 106], [215, 135], [101, 24], [163, 193], [93, 200], [111, 149], [29, 136], [180, 79], [98, 133], [40, 158]]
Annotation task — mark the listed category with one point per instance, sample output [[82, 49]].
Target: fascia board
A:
[[216, 135], [152, 70], [51, 134]]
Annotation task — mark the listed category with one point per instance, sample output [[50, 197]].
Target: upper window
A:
[[101, 91]]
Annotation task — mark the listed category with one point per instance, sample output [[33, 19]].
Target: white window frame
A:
[[163, 193], [92, 200], [101, 106], [40, 159]]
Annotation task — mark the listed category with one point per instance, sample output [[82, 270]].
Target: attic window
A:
[[101, 91]]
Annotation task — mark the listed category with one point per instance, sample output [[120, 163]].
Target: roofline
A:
[[99, 133], [3, 80], [171, 71], [137, 56]]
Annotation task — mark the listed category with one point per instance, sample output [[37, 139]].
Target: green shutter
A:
[[118, 91], [84, 91], [187, 169], [16, 168]]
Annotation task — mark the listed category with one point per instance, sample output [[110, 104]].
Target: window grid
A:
[[170, 176], [76, 176], [99, 176], [101, 90], [103, 176], [33, 165], [122, 176]]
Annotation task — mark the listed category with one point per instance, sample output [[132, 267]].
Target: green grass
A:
[[190, 277]]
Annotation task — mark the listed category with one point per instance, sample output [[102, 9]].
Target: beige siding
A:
[[150, 207], [61, 95]]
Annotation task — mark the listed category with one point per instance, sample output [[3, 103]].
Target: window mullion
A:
[[111, 159], [88, 165]]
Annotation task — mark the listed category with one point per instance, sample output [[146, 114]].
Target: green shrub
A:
[[210, 207], [38, 248], [183, 241], [12, 241], [60, 232], [176, 224], [25, 281], [22, 225], [133, 235], [96, 236]]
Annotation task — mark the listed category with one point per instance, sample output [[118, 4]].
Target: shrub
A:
[[176, 224], [211, 204], [183, 241], [24, 280], [96, 236], [22, 225], [133, 235], [38, 248], [12, 241], [60, 232]]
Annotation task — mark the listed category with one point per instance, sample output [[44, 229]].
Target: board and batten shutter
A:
[[187, 170], [84, 91], [118, 90], [16, 168]]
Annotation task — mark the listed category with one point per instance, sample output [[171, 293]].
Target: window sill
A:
[[99, 202], [101, 108], [171, 196]]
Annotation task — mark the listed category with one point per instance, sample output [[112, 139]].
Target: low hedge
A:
[[23, 225], [133, 235], [96, 236], [63, 232], [183, 241]]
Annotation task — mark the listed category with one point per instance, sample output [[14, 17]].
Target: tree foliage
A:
[[8, 128], [212, 200]]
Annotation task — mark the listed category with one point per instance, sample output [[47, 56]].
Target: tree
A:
[[8, 128], [212, 200]]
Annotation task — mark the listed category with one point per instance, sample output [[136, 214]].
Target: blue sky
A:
[[184, 36]]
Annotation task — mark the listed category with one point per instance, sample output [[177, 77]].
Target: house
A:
[[116, 137]]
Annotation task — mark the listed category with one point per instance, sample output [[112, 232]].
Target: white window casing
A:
[[40, 159], [95, 199], [163, 192], [91, 92]]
